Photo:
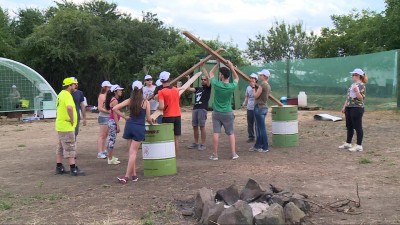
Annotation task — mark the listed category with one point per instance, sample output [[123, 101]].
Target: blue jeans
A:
[[261, 130]]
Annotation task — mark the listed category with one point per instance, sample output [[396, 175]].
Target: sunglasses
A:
[[353, 75], [203, 79], [148, 79]]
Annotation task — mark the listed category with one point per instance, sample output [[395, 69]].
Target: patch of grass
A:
[[5, 205], [370, 152], [41, 197], [392, 164], [19, 129], [21, 146], [365, 161], [40, 184], [106, 186], [155, 215]]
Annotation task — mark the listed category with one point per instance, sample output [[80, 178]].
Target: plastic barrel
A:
[[158, 150], [285, 128]]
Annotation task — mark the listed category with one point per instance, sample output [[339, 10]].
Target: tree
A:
[[281, 41], [26, 21], [7, 40]]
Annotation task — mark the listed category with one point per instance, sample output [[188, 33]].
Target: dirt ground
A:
[[31, 193]]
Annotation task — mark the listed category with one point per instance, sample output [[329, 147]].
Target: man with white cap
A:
[[79, 99], [148, 92], [14, 97], [249, 102], [168, 99]]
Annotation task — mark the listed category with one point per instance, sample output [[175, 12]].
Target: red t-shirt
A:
[[170, 95]]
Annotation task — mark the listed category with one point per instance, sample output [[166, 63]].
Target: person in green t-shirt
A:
[[66, 121], [222, 106]]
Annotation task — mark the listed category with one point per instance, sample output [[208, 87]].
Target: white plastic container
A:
[[302, 99]]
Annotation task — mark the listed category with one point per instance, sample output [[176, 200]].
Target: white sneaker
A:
[[235, 156], [345, 146], [213, 157], [252, 149], [357, 148], [113, 161], [263, 150]]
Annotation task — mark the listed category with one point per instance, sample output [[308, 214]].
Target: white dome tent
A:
[[23, 90]]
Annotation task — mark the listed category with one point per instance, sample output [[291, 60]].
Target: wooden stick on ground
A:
[[158, 112], [187, 72], [221, 59]]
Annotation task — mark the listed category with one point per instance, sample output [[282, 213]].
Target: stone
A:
[[298, 200], [272, 216], [203, 195], [258, 207], [266, 197], [275, 189], [251, 191], [211, 212], [187, 212], [293, 215], [229, 195], [238, 213], [281, 200]]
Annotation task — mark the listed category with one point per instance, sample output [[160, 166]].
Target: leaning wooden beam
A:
[[189, 71], [181, 90], [221, 59]]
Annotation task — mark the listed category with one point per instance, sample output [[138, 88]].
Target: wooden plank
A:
[[221, 59], [189, 71], [158, 112]]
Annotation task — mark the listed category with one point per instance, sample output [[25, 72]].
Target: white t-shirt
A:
[[148, 92]]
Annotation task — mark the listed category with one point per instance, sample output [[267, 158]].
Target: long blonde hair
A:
[[364, 78]]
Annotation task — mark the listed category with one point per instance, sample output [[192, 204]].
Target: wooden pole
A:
[[221, 59], [187, 72]]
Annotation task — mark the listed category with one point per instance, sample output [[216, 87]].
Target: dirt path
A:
[[30, 193]]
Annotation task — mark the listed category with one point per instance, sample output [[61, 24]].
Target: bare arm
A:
[[148, 116], [83, 110], [204, 70], [213, 70], [161, 104], [70, 111], [100, 103], [119, 106], [232, 68]]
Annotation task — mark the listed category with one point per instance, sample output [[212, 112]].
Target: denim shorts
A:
[[102, 120], [134, 131]]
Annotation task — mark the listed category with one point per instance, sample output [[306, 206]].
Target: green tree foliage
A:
[[281, 41], [93, 41]]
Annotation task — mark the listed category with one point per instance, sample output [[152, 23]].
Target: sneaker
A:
[[202, 147], [135, 178], [113, 161], [122, 179], [77, 172], [193, 146], [252, 149], [101, 155], [262, 150], [250, 140], [345, 146], [60, 169], [213, 157], [235, 156], [357, 148], [114, 158]]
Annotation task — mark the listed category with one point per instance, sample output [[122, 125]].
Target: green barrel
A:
[[158, 150], [285, 126]]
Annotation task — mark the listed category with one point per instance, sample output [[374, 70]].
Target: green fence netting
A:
[[325, 81]]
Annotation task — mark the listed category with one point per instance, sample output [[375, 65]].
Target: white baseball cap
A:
[[14, 86], [148, 76], [137, 84], [106, 83], [158, 82], [253, 75], [358, 71], [164, 76], [264, 72], [115, 87]]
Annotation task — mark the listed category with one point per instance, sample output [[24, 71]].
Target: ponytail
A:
[[364, 78], [135, 102], [109, 96]]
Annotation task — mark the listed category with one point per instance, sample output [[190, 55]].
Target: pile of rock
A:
[[253, 205]]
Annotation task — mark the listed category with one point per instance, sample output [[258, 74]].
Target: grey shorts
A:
[[220, 119], [199, 117], [103, 120]]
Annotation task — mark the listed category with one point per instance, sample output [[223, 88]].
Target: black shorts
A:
[[177, 124]]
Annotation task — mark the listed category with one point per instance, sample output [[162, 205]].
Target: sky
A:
[[228, 20]]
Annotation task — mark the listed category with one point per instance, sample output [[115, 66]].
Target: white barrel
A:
[[158, 150], [285, 127], [302, 99]]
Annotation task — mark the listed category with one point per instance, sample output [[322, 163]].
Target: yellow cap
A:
[[68, 81]]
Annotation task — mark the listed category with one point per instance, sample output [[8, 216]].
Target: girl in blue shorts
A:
[[139, 110]]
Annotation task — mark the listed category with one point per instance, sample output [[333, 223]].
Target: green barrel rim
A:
[[159, 167], [284, 113], [285, 140], [159, 133]]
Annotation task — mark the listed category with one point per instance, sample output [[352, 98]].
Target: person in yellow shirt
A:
[[66, 121]]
